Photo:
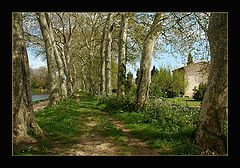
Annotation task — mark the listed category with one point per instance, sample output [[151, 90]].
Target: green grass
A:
[[167, 126], [38, 101], [183, 101], [115, 135], [66, 122], [168, 139], [39, 91], [62, 123]]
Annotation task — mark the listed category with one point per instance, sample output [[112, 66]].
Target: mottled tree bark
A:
[[68, 70], [23, 115], [69, 78], [90, 76], [73, 78], [59, 62], [102, 61], [108, 56], [211, 120], [52, 77], [65, 53], [146, 60], [65, 60], [122, 56]]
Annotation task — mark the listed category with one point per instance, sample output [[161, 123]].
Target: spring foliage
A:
[[199, 92], [165, 84]]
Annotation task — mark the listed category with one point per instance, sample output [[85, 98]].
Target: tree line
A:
[[38, 80], [89, 51]]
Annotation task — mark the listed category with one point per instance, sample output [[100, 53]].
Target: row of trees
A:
[[85, 50]]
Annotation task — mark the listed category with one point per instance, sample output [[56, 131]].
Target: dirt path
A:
[[140, 147], [93, 142], [90, 144]]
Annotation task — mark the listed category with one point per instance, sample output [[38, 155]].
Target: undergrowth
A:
[[169, 128]]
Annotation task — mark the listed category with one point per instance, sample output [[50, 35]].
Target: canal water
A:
[[37, 97]]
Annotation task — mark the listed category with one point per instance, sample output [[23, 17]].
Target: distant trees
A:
[[87, 49], [23, 116], [154, 71], [210, 131], [129, 83], [165, 84], [190, 59], [39, 80], [87, 46], [161, 83]]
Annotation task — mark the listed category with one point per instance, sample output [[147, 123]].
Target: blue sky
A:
[[164, 60], [35, 62]]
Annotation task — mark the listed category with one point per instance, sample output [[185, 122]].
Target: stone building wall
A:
[[194, 74]]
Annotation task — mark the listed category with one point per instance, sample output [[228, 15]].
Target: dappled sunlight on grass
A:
[[183, 101], [78, 127], [167, 143], [75, 122], [166, 126]]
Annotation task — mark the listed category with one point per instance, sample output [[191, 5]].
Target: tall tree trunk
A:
[[102, 61], [146, 60], [67, 69], [67, 36], [211, 120], [108, 58], [122, 56], [64, 56], [23, 115], [70, 83], [52, 77], [73, 78], [60, 65], [90, 76]]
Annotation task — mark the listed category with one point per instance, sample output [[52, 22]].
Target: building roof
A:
[[193, 64]]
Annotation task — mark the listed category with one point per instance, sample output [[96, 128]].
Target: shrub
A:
[[165, 116], [171, 118], [165, 84], [160, 124], [115, 104], [199, 92]]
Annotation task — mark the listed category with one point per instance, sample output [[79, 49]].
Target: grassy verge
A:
[[114, 135], [66, 122], [60, 123], [165, 126], [39, 91], [183, 101], [163, 138]]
